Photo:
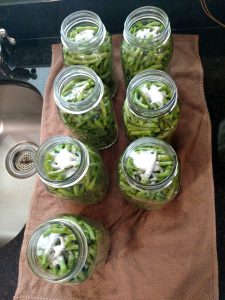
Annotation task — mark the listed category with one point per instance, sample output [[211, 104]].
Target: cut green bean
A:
[[150, 97], [91, 188], [97, 126], [147, 53], [148, 166], [99, 59], [77, 90]]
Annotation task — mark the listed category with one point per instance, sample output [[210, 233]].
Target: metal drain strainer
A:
[[19, 161]]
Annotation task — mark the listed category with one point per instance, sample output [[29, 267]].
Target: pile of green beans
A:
[[73, 32], [146, 54], [84, 88], [161, 126], [140, 99], [96, 127], [98, 59], [57, 174], [156, 26], [90, 189], [68, 258], [145, 198]]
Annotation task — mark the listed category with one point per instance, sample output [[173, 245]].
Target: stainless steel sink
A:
[[20, 117]]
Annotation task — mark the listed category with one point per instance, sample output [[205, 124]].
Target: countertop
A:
[[37, 54]]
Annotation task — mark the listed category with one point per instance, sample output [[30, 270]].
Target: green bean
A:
[[90, 189], [76, 30], [161, 126], [145, 54], [71, 259], [98, 59], [77, 90], [57, 229], [96, 127], [162, 169]]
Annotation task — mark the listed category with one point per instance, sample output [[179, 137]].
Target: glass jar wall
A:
[[85, 106], [71, 170], [147, 41], [86, 42], [149, 173], [67, 249], [151, 106]]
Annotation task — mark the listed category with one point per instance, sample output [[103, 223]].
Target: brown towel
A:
[[167, 254]]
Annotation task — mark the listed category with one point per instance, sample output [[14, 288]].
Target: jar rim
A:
[[150, 141], [32, 244], [65, 76], [79, 17], [75, 177], [146, 12], [151, 76]]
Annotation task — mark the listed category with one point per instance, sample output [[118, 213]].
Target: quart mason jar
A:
[[67, 249], [147, 41], [71, 170], [149, 173], [85, 106], [86, 42], [151, 106]]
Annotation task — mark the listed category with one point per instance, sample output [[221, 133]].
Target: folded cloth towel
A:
[[159, 255]]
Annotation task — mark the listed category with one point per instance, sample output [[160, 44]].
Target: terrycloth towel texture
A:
[[163, 255]]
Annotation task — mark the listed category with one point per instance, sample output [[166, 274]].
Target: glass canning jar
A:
[[86, 42], [149, 173], [67, 249], [71, 170], [147, 41], [85, 106], [151, 106]]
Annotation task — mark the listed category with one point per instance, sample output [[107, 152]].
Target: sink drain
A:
[[19, 161], [24, 161]]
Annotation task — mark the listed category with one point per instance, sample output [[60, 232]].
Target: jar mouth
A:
[[67, 75], [149, 76], [37, 240], [76, 174], [148, 141], [146, 13], [84, 18]]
